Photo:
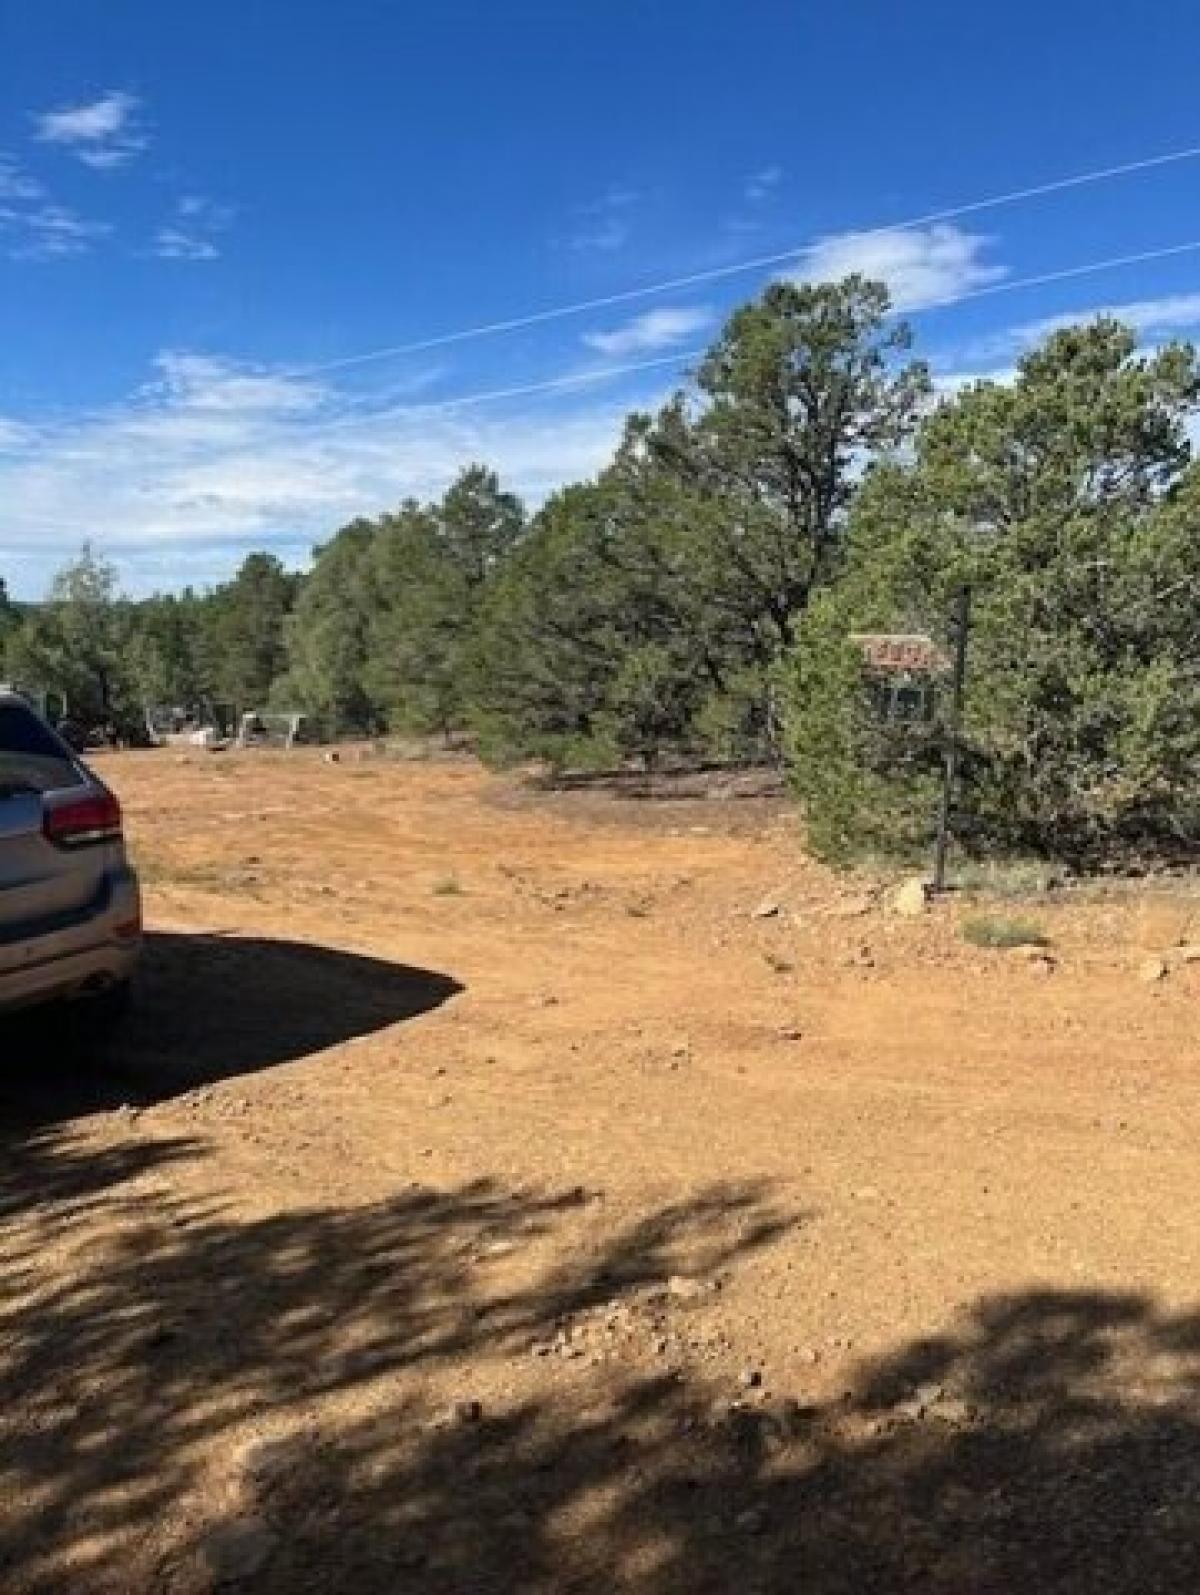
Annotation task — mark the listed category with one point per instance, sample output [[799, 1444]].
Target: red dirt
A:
[[816, 1250]]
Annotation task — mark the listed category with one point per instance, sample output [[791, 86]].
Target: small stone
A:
[[683, 1288], [1152, 970], [790, 1033], [333, 758], [912, 899], [750, 1378], [1189, 954], [463, 1413], [265, 1461], [681, 1048], [958, 1413], [237, 1549], [499, 1248], [769, 908]]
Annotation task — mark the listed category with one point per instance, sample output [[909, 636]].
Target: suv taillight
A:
[[78, 822]]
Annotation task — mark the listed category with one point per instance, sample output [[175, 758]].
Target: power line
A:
[[1012, 196], [489, 395], [1088, 269], [300, 430], [758, 263], [604, 373]]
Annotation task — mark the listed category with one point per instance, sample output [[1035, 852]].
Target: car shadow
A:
[[206, 1007]]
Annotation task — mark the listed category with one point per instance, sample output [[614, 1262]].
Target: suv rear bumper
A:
[[80, 975], [78, 961]]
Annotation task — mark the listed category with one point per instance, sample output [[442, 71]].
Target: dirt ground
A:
[[500, 1191]]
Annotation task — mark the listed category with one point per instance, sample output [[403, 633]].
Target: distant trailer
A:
[[269, 728]]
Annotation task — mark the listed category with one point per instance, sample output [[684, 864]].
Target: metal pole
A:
[[962, 616]]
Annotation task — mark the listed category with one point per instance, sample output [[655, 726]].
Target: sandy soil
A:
[[503, 1191]]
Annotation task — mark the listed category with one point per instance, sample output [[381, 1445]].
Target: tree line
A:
[[704, 596]]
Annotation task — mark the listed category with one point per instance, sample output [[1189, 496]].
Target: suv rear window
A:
[[31, 760]]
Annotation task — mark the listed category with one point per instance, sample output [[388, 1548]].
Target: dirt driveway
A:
[[499, 1192]]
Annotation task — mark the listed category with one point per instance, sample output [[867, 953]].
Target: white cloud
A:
[[604, 224], [655, 329], [47, 232], [33, 226], [14, 434], [102, 133], [207, 383], [195, 225], [1151, 319], [762, 184], [212, 459], [172, 243], [102, 119], [922, 266], [16, 185], [1172, 313]]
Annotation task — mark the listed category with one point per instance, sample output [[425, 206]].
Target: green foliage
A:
[[545, 652], [246, 624], [384, 630], [478, 524], [800, 386], [645, 613], [700, 597], [433, 567], [76, 644], [171, 651], [1065, 500], [326, 635], [10, 619]]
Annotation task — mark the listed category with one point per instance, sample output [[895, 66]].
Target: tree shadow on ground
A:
[[1068, 1462], [206, 1007], [141, 1331], [1048, 1440]]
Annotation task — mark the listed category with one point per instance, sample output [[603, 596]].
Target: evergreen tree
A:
[[1065, 500]]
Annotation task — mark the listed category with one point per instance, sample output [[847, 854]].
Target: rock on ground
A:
[[237, 1549]]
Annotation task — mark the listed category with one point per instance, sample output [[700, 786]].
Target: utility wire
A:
[[300, 430], [757, 263], [970, 207], [606, 373]]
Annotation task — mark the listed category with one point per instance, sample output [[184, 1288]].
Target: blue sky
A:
[[209, 212]]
